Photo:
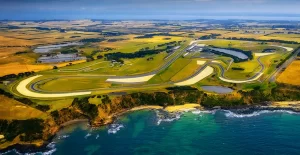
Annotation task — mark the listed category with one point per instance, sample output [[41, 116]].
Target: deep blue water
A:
[[222, 132]]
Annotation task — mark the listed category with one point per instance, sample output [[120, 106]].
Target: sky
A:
[[148, 9]]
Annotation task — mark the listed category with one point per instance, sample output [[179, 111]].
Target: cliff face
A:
[[102, 109]]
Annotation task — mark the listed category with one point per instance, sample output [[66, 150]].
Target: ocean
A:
[[189, 133]]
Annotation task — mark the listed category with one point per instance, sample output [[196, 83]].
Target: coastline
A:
[[43, 147]]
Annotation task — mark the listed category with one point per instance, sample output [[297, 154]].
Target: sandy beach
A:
[[155, 107], [179, 108], [175, 108], [286, 104]]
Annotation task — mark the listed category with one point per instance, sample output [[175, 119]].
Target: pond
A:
[[231, 52], [217, 89]]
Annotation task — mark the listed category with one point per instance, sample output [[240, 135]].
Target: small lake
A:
[[231, 52], [49, 48], [217, 89]]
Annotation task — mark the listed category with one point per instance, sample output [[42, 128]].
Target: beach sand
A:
[[286, 104], [155, 107], [178, 108], [175, 108]]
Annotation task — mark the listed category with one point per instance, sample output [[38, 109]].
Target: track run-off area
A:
[[29, 87]]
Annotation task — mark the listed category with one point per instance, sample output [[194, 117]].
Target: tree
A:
[[99, 57]]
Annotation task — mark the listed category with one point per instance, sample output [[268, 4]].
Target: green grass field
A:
[[171, 71], [75, 83], [187, 71]]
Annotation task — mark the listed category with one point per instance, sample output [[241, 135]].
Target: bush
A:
[[237, 68]]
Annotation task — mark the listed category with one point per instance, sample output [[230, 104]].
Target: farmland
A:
[[160, 57], [290, 74], [57, 71]]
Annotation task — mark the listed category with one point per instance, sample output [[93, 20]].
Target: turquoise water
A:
[[220, 132]]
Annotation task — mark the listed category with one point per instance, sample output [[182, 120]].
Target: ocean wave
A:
[[50, 146], [168, 118], [231, 114], [63, 137], [9, 151], [197, 112], [114, 128], [87, 135]]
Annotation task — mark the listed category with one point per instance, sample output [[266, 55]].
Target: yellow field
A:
[[8, 51], [262, 35], [217, 31], [12, 109], [291, 74], [287, 37], [23, 37], [6, 41], [16, 67], [134, 44], [18, 40], [241, 34], [62, 24]]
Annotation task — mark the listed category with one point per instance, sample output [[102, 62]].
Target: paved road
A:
[[34, 86], [284, 65], [253, 78], [163, 67]]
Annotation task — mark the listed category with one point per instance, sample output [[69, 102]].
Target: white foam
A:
[[87, 136], [197, 112], [51, 146], [177, 117], [63, 137], [231, 114], [114, 128]]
